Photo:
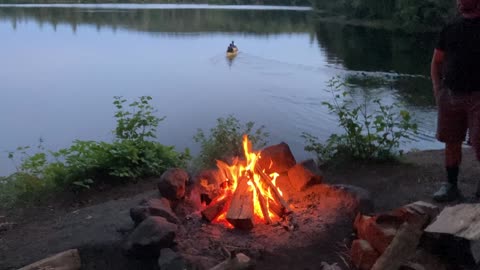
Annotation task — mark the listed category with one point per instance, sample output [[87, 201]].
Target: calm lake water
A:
[[61, 66]]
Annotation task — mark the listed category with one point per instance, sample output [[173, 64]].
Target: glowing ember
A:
[[253, 184]]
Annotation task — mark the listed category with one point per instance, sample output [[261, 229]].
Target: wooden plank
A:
[[215, 208], [402, 248], [67, 260], [241, 213], [460, 220]]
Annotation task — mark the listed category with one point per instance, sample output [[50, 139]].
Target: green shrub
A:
[[369, 134], [133, 154], [225, 141]]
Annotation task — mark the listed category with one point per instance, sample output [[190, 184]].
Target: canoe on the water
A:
[[232, 54]]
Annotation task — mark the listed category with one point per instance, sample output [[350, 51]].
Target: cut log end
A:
[[241, 211]]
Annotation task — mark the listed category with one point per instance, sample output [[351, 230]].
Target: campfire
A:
[[248, 195]]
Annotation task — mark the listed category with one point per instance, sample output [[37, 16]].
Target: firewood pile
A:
[[249, 190], [417, 237]]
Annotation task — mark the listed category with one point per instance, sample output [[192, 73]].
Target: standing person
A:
[[455, 73]]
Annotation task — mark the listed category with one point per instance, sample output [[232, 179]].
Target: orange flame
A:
[[232, 173]]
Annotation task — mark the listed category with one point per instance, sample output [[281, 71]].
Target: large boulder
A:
[[139, 214], [312, 166], [301, 177], [161, 208], [277, 158], [150, 236], [172, 184]]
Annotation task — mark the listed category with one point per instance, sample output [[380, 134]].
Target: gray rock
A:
[[139, 214], [301, 177], [172, 184], [161, 208], [153, 207], [150, 236], [360, 195]]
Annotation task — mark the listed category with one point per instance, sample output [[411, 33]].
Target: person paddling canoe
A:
[[232, 48]]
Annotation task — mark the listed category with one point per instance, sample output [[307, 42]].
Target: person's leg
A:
[[451, 129], [453, 158], [474, 131]]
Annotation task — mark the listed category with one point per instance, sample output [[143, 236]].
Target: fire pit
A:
[[265, 205], [248, 194]]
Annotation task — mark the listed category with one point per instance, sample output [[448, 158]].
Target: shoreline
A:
[[154, 5], [390, 186]]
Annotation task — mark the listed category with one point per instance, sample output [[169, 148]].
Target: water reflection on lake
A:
[[61, 68]]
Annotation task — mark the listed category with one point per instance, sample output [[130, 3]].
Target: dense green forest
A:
[[408, 14], [168, 21], [223, 2]]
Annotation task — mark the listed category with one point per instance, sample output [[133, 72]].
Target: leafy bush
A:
[[225, 140], [369, 134], [133, 154]]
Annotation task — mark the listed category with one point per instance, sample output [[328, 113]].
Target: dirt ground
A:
[[95, 222]]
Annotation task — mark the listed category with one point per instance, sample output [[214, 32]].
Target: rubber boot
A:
[[449, 191]]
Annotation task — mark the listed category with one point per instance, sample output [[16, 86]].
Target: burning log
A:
[[215, 208], [241, 211], [223, 169], [276, 208], [267, 180], [263, 204]]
